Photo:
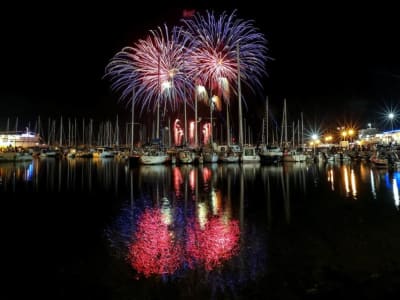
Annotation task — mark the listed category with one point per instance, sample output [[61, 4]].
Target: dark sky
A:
[[331, 61]]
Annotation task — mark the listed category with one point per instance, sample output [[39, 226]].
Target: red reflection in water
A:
[[207, 174], [192, 180], [214, 244], [154, 250]]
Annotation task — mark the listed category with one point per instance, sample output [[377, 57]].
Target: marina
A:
[[246, 152]]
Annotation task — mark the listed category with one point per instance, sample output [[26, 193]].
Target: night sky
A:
[[335, 63]]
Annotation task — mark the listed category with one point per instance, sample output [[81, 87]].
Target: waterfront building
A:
[[17, 139]]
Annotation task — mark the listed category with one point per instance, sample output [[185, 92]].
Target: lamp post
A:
[[391, 117], [314, 138], [350, 132], [344, 135]]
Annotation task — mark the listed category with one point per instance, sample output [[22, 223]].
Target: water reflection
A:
[[51, 174], [13, 173], [178, 222], [352, 180], [342, 177], [211, 227], [396, 193], [392, 182], [347, 179]]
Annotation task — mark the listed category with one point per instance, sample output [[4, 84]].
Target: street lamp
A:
[[344, 134], [328, 139], [314, 137], [391, 117], [350, 133]]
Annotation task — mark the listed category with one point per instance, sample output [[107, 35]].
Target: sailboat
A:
[[209, 155], [249, 154], [290, 154], [134, 155], [155, 154], [269, 153]]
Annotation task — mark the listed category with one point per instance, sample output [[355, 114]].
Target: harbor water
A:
[[100, 229]]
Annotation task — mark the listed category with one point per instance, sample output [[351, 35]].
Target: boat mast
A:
[[286, 140], [133, 118], [61, 131], [117, 133], [211, 122], [228, 125], [158, 102], [83, 131], [266, 121], [302, 130], [284, 126], [185, 138], [239, 100], [195, 119]]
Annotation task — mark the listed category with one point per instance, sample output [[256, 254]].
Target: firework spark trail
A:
[[213, 52], [155, 68]]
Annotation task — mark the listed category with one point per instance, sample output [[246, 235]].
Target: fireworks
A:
[[153, 70], [207, 50], [215, 45]]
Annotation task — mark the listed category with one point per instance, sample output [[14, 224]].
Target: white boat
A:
[[103, 152], [293, 156], [229, 154], [154, 158], [249, 155], [271, 154], [229, 157], [338, 157]]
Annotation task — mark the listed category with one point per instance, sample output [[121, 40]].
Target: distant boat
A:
[[154, 158], [271, 155], [104, 152], [210, 157], [249, 155], [229, 154], [379, 159], [45, 152], [186, 156], [13, 156], [293, 156]]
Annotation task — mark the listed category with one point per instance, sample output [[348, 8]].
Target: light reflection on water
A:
[[209, 225], [51, 174], [351, 180], [201, 184]]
